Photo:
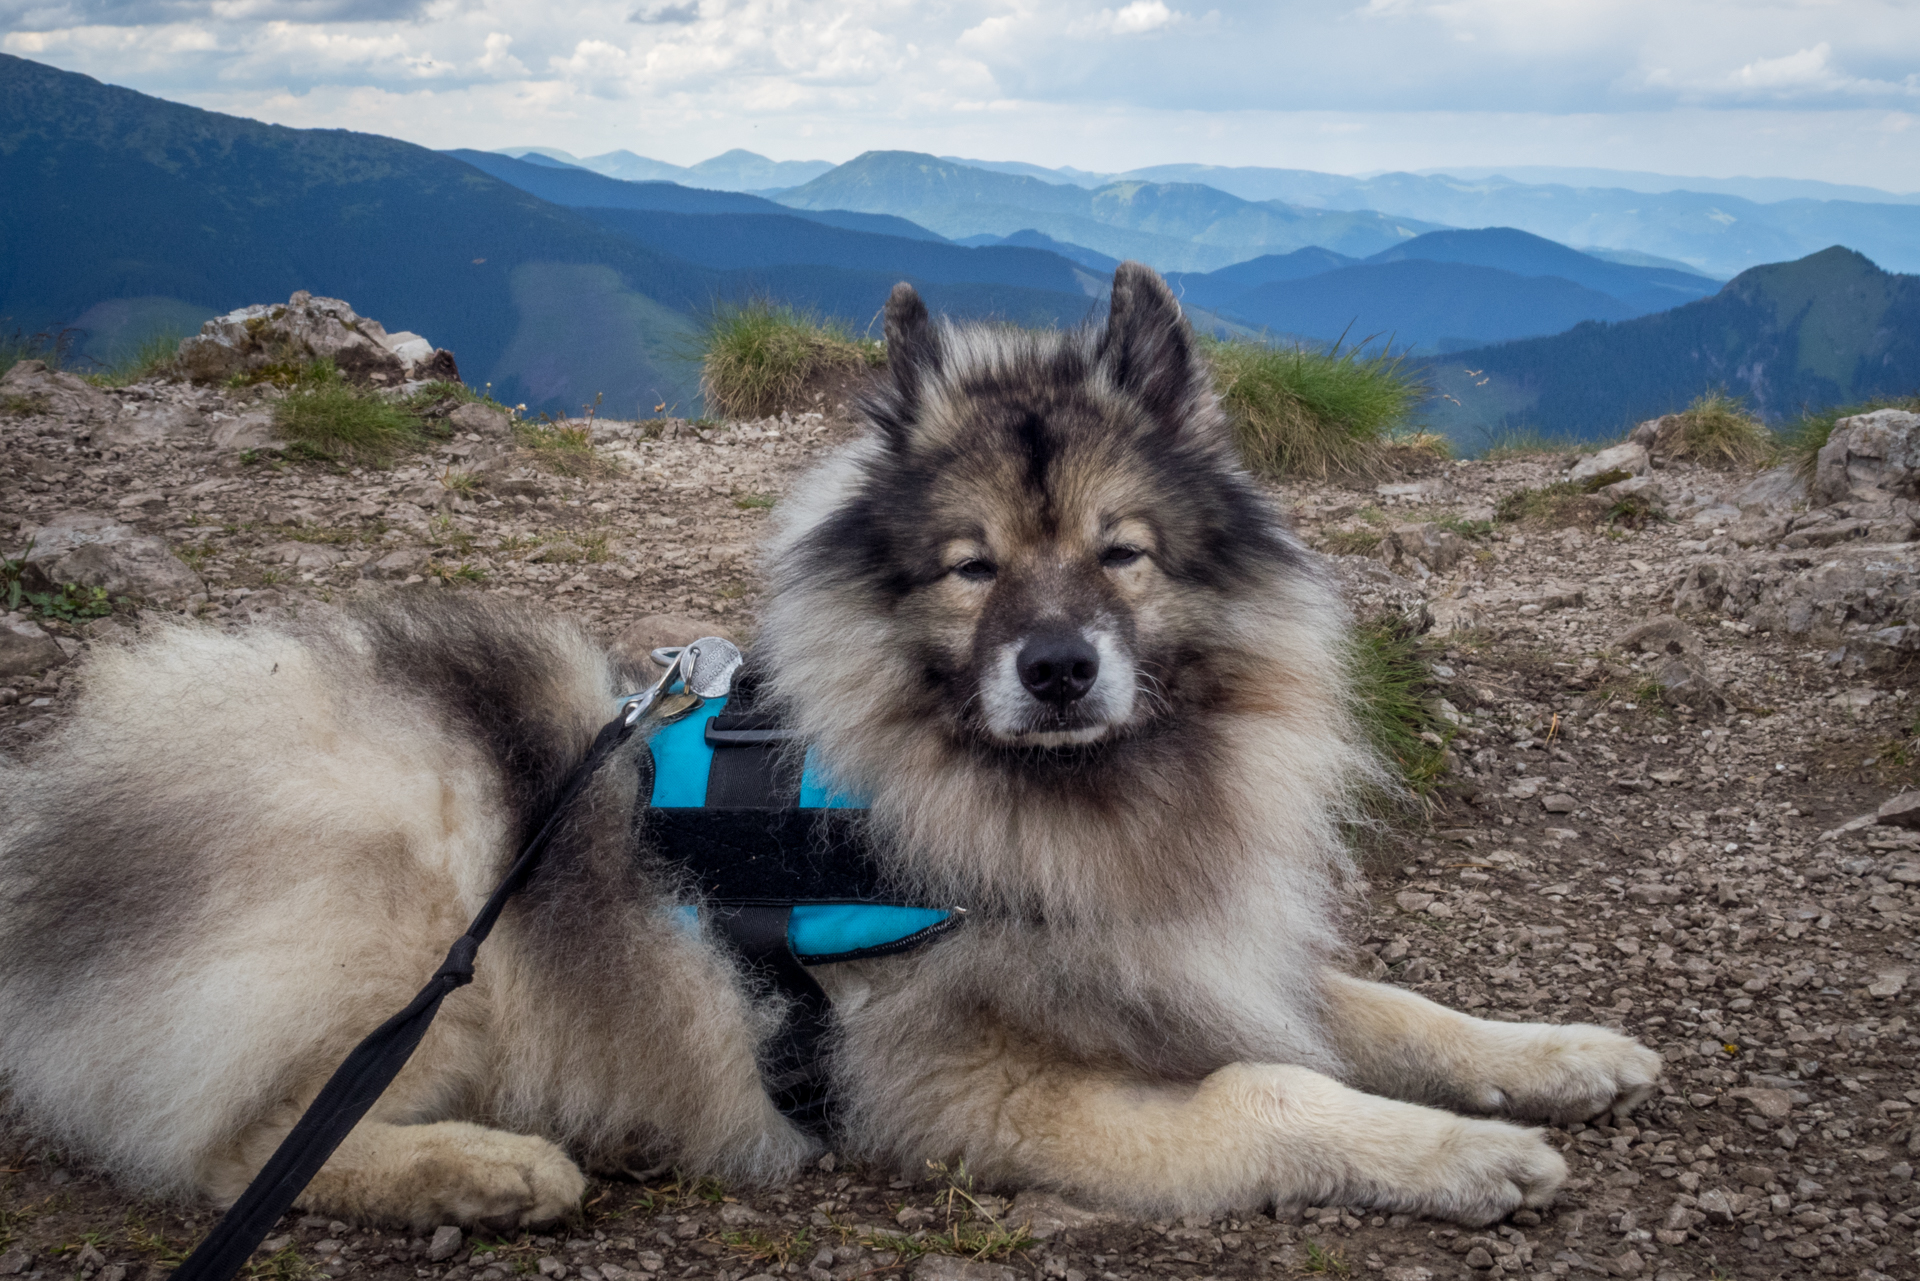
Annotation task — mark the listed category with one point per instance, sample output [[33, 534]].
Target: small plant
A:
[[764, 1247], [1353, 542], [971, 1231], [1802, 440], [462, 574], [325, 419], [459, 481], [563, 448], [13, 572], [1325, 1261], [1565, 503], [1298, 411], [283, 1265], [1391, 687], [758, 357], [1466, 528], [1716, 428], [72, 603], [754, 502]]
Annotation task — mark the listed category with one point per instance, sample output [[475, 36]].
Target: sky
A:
[[1825, 89]]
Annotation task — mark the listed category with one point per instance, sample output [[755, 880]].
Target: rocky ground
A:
[[1670, 748]]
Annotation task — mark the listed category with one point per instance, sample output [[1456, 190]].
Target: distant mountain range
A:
[[735, 170], [1173, 226], [1830, 328], [1717, 226], [1444, 290]]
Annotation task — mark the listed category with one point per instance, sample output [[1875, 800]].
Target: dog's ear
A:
[[914, 358], [1147, 349]]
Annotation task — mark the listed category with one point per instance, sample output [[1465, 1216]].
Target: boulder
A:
[[482, 420], [1869, 457], [1899, 811], [1685, 682], [1774, 492], [95, 551], [237, 433], [1627, 456], [305, 328], [1852, 590], [25, 647], [399, 564], [32, 388]]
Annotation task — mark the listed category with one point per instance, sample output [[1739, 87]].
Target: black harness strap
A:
[[744, 851], [356, 1085]]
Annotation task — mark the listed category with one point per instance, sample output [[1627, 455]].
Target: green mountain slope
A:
[[130, 213], [1827, 329], [1173, 226]]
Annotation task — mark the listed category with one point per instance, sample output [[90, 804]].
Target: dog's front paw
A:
[[448, 1172], [1544, 1073], [1485, 1170]]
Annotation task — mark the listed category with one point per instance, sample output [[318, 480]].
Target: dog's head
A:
[[1050, 528]]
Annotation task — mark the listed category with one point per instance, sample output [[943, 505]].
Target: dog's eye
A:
[[975, 570], [1120, 555]]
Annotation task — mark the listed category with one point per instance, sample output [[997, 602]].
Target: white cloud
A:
[[1314, 83]]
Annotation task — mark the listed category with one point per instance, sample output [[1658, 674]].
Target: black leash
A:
[[359, 1081]]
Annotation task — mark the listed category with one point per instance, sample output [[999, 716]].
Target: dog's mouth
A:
[[1058, 690]]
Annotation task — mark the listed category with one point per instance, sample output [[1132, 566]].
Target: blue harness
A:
[[818, 932], [783, 873]]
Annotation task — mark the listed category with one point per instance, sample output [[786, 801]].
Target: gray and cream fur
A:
[[1037, 614]]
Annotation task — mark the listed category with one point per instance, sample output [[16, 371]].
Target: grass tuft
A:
[[758, 357], [325, 418], [1802, 440], [157, 356], [1302, 412], [52, 346], [1391, 699], [1716, 428]]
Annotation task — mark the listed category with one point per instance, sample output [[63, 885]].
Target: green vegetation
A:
[[325, 417], [70, 602], [1353, 542], [1391, 687], [563, 447], [757, 358], [1716, 428], [1802, 440], [1824, 329], [1325, 1261], [154, 357], [1566, 503], [1301, 412], [50, 346]]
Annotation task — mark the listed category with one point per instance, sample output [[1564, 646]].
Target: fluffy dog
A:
[[1094, 691]]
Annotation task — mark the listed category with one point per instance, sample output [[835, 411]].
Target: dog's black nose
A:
[[1059, 668]]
